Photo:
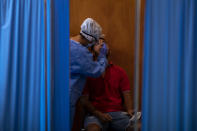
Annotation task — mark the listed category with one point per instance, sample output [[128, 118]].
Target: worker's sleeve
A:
[[91, 68], [124, 82]]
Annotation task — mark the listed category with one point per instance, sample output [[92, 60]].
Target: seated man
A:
[[108, 100]]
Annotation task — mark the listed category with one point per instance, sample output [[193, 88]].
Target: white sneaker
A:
[[138, 116]]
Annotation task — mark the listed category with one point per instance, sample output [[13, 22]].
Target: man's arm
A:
[[126, 91], [90, 108], [85, 102], [128, 102]]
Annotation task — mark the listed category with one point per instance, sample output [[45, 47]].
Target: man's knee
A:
[[93, 127]]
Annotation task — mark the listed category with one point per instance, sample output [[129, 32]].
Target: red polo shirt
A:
[[105, 92]]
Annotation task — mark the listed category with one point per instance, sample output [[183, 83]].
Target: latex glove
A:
[[103, 50]]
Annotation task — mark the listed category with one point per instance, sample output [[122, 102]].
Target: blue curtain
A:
[[34, 60], [170, 62]]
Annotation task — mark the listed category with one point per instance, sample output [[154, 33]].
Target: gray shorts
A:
[[120, 121]]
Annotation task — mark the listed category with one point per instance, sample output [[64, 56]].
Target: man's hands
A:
[[130, 112], [104, 117]]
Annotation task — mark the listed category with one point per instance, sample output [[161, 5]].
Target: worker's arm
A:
[[91, 109], [128, 102], [85, 65]]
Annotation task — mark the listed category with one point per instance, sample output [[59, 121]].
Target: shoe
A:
[[138, 116]]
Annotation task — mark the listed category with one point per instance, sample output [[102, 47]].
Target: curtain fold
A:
[[170, 61], [33, 84]]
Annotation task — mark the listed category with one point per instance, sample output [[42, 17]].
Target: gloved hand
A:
[[103, 50]]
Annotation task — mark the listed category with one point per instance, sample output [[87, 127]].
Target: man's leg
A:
[[120, 121], [93, 127], [92, 123]]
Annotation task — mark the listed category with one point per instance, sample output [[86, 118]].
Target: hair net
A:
[[91, 30]]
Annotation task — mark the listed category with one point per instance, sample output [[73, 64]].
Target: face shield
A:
[[93, 39]]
